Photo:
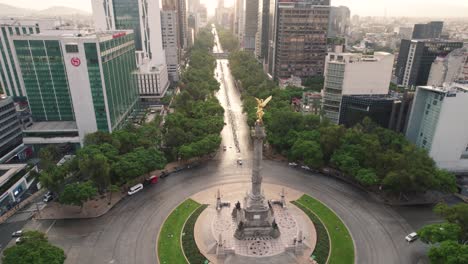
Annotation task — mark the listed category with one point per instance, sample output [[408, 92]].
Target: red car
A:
[[153, 179]]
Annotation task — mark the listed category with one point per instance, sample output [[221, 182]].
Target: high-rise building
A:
[[431, 30], [437, 124], [250, 25], [416, 57], [76, 83], [354, 74], [261, 41], [144, 18], [171, 44], [300, 39], [451, 68], [340, 21], [239, 20], [388, 111], [10, 82], [183, 27], [269, 60], [11, 137]]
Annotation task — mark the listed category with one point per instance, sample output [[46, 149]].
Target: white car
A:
[[239, 161], [17, 233], [18, 240], [411, 237], [135, 189], [48, 197], [292, 164], [305, 167]]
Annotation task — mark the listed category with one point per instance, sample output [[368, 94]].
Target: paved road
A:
[[128, 233]]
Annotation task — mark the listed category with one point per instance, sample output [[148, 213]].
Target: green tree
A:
[[49, 157], [34, 249], [97, 168], [367, 177], [437, 233], [314, 83], [309, 152], [77, 193], [456, 214], [449, 252]]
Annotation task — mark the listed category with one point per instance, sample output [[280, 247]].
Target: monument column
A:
[[258, 137]]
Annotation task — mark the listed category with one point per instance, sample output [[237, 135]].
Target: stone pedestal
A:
[[256, 218]]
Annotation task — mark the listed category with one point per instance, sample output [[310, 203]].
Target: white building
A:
[[169, 19], [15, 180], [354, 74], [450, 68], [438, 123], [146, 23]]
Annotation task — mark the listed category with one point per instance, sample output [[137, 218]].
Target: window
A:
[[71, 48]]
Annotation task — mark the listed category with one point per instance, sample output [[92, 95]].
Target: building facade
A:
[[354, 74], [431, 30], [250, 25], [15, 180], [9, 79], [416, 57], [261, 40], [448, 69], [171, 44], [144, 18], [77, 82], [239, 20], [435, 124], [300, 44], [340, 21], [11, 137], [388, 111]]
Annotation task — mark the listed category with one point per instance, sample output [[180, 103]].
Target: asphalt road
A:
[[128, 233]]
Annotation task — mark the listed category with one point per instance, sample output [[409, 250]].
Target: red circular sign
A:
[[76, 62]]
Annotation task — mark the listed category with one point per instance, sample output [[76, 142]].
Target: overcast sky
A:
[[420, 8]]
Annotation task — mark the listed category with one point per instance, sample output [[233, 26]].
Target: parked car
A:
[[18, 240], [305, 167], [411, 237], [164, 174], [239, 161], [224, 148], [292, 164], [49, 196], [151, 180], [17, 233], [135, 189]]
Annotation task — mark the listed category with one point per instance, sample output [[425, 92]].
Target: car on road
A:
[[239, 161], [224, 148], [152, 180], [135, 189], [411, 237], [306, 167], [164, 174], [48, 197], [17, 233], [292, 164]]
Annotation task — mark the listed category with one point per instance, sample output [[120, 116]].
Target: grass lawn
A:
[[169, 246], [342, 246]]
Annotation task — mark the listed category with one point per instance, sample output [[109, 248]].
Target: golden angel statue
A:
[[261, 104]]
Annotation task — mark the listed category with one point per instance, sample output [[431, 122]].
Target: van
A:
[[135, 189]]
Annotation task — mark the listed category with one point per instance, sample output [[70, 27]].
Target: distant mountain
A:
[[62, 11], [8, 10]]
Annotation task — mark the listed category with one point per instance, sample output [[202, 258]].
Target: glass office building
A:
[[74, 77]]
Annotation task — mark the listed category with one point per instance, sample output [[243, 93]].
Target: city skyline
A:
[[428, 8]]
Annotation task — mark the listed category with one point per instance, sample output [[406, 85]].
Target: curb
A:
[[183, 227]]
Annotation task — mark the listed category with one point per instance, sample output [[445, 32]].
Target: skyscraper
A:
[[144, 18], [300, 40], [11, 138], [76, 83], [340, 21], [10, 82], [416, 57], [451, 68], [251, 25], [171, 38], [261, 45], [431, 30], [239, 20]]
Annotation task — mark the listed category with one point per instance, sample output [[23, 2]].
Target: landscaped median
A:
[[334, 241], [170, 249]]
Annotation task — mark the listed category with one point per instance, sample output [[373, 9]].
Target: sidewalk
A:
[[20, 206]]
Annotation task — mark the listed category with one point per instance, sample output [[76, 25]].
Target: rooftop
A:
[[75, 33], [7, 171], [52, 126], [452, 88]]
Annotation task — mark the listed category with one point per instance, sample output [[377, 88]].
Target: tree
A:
[[456, 214], [309, 152], [48, 157], [449, 252], [54, 178], [367, 177], [77, 193], [437, 233], [34, 249], [97, 168]]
